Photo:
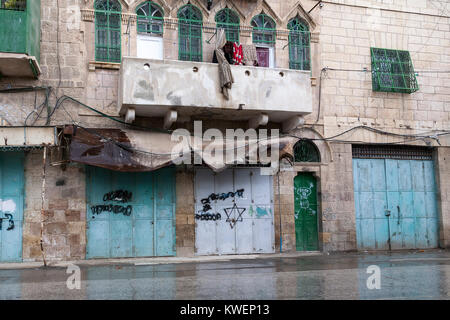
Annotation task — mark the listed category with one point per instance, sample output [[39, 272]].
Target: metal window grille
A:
[[306, 151], [108, 30], [299, 45], [392, 152], [150, 18], [228, 20], [190, 29], [392, 71], [16, 5], [264, 29]]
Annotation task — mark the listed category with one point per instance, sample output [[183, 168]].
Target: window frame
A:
[[315, 156], [149, 19], [299, 44], [264, 31], [230, 27], [392, 71], [108, 30], [191, 25]]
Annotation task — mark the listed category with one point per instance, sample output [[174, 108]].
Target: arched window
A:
[[299, 45], [229, 20], [190, 33], [150, 18], [107, 30], [264, 29], [306, 151]]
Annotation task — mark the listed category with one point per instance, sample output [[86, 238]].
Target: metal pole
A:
[[279, 210], [44, 158]]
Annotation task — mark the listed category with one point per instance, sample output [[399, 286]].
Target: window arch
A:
[[306, 151], [190, 33], [264, 29], [107, 30], [229, 20], [299, 44], [150, 18]]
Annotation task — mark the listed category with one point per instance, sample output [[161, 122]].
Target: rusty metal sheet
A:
[[138, 151]]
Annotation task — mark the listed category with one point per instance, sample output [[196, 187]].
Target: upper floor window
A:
[[299, 45], [392, 71], [18, 5], [107, 30], [264, 29], [229, 20], [306, 151], [190, 33], [150, 18]]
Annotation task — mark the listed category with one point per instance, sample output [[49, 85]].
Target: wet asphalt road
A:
[[405, 275]]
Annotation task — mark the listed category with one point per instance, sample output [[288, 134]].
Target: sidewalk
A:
[[155, 260]]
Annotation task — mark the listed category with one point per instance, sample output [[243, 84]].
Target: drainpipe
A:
[[42, 204], [279, 210]]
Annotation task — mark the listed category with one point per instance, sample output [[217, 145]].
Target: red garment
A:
[[237, 53]]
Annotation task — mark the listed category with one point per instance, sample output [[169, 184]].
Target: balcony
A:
[[20, 38], [173, 89]]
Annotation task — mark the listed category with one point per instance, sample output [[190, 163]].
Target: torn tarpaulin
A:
[[135, 151]]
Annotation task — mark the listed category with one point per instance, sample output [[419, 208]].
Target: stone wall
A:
[[64, 215]]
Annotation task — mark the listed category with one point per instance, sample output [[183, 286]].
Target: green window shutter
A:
[[190, 30], [150, 18], [392, 71], [264, 29], [108, 22], [229, 20], [299, 45], [306, 151]]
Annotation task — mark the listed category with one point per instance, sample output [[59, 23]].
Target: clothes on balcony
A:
[[250, 57], [228, 56], [237, 53], [225, 76]]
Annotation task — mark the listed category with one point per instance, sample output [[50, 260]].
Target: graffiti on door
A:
[[303, 193], [121, 196], [205, 214], [8, 217], [8, 207], [237, 211]]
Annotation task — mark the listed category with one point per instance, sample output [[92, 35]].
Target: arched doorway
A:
[[305, 212]]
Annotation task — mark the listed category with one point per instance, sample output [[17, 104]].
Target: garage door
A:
[[11, 206], [233, 212], [130, 214], [395, 199]]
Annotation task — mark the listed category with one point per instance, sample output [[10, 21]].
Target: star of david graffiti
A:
[[234, 209]]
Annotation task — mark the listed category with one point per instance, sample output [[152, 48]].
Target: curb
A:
[[154, 261]]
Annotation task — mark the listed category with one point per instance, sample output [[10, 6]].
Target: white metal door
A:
[[233, 212], [149, 47]]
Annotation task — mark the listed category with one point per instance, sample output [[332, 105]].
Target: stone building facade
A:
[[345, 113]]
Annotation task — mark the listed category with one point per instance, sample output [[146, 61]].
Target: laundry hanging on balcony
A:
[[238, 55], [225, 76], [250, 57]]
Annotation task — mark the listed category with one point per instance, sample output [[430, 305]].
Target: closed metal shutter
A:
[[234, 212]]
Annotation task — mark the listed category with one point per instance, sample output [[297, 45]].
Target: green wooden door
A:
[[305, 193]]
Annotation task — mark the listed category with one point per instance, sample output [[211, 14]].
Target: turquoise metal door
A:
[[395, 203], [130, 214], [11, 206]]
